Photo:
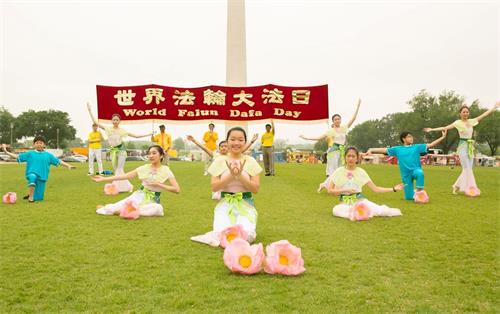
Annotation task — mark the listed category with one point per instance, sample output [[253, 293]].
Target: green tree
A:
[[321, 146], [365, 135], [6, 118], [77, 142], [179, 144], [488, 131], [46, 123], [130, 145], [280, 144], [440, 111]]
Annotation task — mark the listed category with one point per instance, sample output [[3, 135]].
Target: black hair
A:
[[159, 149], [236, 128], [403, 135], [116, 115], [211, 124], [268, 125], [351, 148], [463, 106], [336, 115], [39, 138], [222, 142]]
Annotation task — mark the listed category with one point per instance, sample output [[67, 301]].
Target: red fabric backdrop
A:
[[213, 102]]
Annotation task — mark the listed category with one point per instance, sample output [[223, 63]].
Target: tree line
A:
[[426, 111], [47, 123]]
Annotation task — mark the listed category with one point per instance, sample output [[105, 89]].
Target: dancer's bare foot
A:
[[454, 190]]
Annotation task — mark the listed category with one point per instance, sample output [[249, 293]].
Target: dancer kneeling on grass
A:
[[223, 151], [147, 198], [410, 167], [237, 176], [347, 182]]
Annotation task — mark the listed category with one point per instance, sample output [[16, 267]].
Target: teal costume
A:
[[409, 166], [37, 170]]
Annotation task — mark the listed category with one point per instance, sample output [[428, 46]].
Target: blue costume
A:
[[37, 169], [409, 166]]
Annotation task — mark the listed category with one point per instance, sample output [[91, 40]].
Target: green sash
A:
[[351, 198], [235, 201], [150, 196], [337, 147], [113, 151], [470, 146]]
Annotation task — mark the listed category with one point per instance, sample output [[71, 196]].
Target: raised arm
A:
[[486, 113], [65, 164], [355, 114], [313, 138], [442, 128], [438, 140], [249, 144], [378, 189], [206, 150], [272, 126], [4, 148], [381, 150], [126, 176], [139, 136], [93, 118]]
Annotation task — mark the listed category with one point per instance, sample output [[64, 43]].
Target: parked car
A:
[[75, 158], [5, 157], [184, 158]]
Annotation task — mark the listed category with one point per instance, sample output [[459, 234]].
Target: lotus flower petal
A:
[[283, 258], [241, 257], [230, 233]]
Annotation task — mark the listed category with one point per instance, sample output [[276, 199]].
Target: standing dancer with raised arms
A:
[[466, 182], [336, 140], [116, 135]]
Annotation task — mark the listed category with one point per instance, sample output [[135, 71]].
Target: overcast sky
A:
[[53, 53]]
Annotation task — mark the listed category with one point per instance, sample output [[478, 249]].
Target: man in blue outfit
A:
[[408, 156], [38, 163]]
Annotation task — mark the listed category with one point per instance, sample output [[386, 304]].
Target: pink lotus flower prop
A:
[[130, 210], [359, 212], [231, 233], [110, 189], [473, 191], [283, 258], [421, 197], [9, 198], [241, 257]]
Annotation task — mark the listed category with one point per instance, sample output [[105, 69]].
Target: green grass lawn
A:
[[59, 256]]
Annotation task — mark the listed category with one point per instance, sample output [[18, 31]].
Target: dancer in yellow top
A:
[[210, 138], [164, 140], [267, 141], [95, 150]]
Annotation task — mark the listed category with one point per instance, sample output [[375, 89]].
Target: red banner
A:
[[213, 102]]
